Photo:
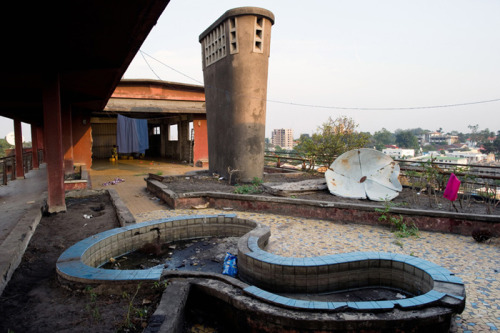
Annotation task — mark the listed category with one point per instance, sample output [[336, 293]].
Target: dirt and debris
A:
[[115, 181], [408, 198], [204, 254], [34, 300]]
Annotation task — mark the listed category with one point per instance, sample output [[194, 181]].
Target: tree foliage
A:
[[492, 147], [278, 149], [406, 139], [331, 139], [486, 139], [4, 145], [382, 138]]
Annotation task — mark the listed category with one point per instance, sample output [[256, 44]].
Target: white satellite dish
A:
[[364, 173], [11, 138]]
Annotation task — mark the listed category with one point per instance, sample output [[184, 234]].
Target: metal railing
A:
[[477, 179], [8, 165], [277, 159]]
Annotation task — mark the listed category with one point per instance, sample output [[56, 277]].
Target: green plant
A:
[[252, 188], [402, 230], [159, 173], [141, 314], [246, 189], [257, 181], [489, 195], [414, 183], [431, 173], [133, 314], [92, 306], [160, 285]]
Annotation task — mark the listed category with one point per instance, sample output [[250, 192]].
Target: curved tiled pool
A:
[[81, 262], [271, 278], [270, 274]]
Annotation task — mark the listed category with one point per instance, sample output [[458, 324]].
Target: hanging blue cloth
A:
[[142, 134], [132, 135]]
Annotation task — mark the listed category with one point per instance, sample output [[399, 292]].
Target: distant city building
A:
[[399, 152], [283, 138], [471, 157], [445, 159], [437, 138]]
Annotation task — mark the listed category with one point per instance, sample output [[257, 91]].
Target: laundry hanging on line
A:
[[132, 135]]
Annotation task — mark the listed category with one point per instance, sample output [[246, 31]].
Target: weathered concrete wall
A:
[[235, 66]]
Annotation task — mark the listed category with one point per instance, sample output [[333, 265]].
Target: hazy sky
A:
[[353, 54]]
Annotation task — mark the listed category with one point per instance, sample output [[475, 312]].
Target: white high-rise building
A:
[[283, 138]]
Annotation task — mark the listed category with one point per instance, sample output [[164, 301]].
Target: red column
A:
[[41, 140], [34, 146], [18, 134], [53, 142], [67, 136]]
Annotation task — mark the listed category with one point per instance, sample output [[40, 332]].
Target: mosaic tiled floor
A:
[[477, 264]]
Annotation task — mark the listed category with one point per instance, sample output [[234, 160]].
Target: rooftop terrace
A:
[[477, 264]]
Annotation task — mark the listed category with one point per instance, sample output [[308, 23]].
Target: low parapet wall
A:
[[457, 223]]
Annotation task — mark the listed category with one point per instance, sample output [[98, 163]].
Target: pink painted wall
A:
[[200, 150]]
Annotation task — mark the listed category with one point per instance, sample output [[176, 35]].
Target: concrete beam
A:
[[158, 106]]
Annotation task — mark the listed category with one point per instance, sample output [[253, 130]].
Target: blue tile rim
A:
[[441, 279], [70, 264]]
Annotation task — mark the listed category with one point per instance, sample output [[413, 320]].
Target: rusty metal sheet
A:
[[364, 173]]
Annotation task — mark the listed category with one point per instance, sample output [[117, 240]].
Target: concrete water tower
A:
[[235, 56]]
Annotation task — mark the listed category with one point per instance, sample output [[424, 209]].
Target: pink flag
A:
[[452, 187]]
